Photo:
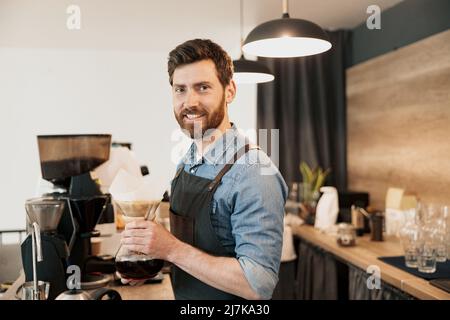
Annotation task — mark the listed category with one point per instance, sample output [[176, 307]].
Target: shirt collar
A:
[[216, 151]]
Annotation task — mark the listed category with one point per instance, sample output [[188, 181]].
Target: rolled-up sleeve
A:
[[257, 226]]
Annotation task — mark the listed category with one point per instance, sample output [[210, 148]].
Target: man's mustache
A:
[[187, 111]]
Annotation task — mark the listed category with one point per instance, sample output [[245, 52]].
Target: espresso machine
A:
[[66, 162]]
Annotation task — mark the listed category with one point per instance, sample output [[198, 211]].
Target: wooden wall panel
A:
[[399, 122]]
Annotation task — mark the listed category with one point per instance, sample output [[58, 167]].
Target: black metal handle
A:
[[100, 293]]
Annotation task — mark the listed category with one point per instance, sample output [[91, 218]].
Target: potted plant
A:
[[313, 180]]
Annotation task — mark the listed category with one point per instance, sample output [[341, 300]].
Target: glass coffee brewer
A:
[[66, 162], [134, 265], [45, 213]]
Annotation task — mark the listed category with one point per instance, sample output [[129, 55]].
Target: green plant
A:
[[314, 179]]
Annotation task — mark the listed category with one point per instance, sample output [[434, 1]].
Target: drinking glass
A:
[[426, 258], [426, 249], [409, 238], [440, 239]]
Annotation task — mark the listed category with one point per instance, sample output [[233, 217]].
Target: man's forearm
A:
[[223, 273]]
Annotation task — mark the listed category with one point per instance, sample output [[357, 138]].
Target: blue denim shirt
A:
[[248, 207]]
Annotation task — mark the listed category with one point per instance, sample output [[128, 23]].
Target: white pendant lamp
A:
[[248, 71], [286, 38]]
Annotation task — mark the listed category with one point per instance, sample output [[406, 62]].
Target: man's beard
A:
[[209, 121]]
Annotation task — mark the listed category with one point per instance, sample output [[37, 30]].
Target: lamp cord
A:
[[241, 8], [285, 6], [285, 9]]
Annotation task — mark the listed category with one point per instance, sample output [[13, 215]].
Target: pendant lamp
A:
[[286, 37], [248, 71]]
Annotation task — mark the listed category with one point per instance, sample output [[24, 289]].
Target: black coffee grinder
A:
[[66, 161]]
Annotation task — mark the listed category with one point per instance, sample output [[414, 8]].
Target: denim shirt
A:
[[248, 207]]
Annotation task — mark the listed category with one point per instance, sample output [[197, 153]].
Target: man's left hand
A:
[[148, 237]]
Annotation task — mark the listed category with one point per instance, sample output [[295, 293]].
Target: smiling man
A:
[[226, 208]]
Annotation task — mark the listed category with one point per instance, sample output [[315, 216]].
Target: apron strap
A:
[[179, 171], [228, 166]]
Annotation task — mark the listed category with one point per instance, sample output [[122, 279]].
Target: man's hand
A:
[[149, 238], [129, 281], [224, 273]]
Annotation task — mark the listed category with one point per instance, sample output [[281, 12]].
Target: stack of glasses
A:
[[425, 237]]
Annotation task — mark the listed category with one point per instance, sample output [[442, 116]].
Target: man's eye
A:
[[204, 87], [179, 90]]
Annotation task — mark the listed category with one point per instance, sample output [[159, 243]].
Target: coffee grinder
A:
[[66, 161]]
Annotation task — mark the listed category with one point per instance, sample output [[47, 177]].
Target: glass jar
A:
[[346, 235]]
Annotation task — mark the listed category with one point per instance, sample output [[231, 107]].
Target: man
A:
[[226, 208]]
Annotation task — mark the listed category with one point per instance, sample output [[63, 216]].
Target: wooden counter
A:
[[366, 253], [152, 291]]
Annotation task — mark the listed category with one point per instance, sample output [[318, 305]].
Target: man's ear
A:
[[230, 91]]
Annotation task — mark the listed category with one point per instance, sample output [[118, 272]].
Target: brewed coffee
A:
[[138, 268]]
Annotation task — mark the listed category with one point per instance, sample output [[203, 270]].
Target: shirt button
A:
[[192, 170]]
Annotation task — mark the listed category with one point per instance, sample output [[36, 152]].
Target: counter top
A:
[[366, 253], [109, 244], [152, 291]]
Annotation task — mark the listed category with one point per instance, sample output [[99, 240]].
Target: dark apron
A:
[[190, 208]]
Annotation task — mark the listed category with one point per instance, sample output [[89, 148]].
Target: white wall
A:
[[108, 77]]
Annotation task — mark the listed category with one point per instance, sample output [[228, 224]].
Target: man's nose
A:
[[191, 99]]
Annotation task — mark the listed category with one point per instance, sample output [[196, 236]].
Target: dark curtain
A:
[[306, 102], [318, 274], [285, 288]]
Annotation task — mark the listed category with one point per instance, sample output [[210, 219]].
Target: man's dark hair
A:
[[197, 50]]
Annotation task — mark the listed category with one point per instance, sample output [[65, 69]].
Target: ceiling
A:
[[330, 14], [160, 25]]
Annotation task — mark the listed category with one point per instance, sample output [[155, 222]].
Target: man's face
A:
[[199, 98]]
